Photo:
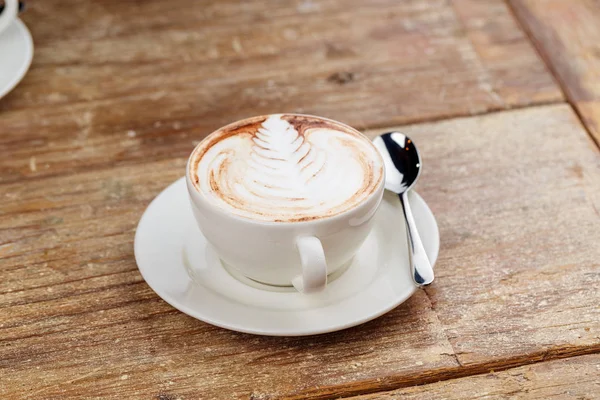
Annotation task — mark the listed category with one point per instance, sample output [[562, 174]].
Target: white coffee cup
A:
[[11, 9], [301, 253]]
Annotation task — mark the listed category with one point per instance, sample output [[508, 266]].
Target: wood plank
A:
[[575, 378], [75, 309], [567, 33], [502, 52], [171, 72], [516, 196]]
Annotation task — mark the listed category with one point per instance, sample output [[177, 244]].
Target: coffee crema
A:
[[286, 168]]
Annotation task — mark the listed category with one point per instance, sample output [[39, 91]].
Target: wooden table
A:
[[502, 97]]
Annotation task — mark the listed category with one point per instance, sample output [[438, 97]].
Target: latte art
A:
[[286, 168]]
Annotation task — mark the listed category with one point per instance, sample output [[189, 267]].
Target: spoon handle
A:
[[421, 269]]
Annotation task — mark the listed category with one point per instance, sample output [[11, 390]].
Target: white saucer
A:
[[16, 53], [180, 267]]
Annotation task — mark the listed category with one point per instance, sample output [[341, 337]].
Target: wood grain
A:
[[119, 83], [567, 33], [516, 196], [75, 309], [575, 378]]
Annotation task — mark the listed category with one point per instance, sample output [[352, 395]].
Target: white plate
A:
[[16, 53], [178, 264]]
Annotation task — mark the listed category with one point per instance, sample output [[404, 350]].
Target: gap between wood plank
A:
[[441, 117], [383, 125], [392, 383], [539, 48]]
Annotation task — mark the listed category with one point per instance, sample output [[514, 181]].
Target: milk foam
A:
[[286, 171]]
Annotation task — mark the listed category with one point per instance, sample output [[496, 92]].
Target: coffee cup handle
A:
[[11, 7], [314, 266]]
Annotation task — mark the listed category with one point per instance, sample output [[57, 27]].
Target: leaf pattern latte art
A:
[[283, 171]]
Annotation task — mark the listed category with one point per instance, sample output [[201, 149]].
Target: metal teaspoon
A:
[[402, 169]]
